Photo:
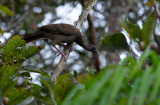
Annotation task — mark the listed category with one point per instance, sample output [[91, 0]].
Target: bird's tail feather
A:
[[31, 37]]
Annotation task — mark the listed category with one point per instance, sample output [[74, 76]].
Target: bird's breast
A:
[[67, 39], [61, 38]]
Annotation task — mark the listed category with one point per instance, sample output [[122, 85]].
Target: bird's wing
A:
[[60, 29]]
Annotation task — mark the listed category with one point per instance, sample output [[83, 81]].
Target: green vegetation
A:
[[130, 82], [134, 81]]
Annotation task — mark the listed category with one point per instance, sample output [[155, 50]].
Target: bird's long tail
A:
[[31, 37]]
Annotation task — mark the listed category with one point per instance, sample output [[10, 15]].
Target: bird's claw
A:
[[69, 48], [60, 54], [63, 55]]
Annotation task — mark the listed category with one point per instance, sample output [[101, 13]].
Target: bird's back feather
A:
[[60, 29], [31, 37]]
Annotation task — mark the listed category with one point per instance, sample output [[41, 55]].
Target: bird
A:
[[60, 33]]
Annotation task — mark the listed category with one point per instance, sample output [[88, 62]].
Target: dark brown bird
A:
[[60, 33]]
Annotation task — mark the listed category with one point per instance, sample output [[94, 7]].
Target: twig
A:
[[60, 65], [17, 22], [156, 9], [56, 73], [157, 40]]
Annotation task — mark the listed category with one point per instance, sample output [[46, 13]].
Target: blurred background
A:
[[101, 24]]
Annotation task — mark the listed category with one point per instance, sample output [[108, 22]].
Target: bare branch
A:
[[156, 9], [10, 26], [92, 39]]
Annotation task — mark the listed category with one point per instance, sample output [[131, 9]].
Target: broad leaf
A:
[[148, 29], [115, 42], [133, 30], [4, 11]]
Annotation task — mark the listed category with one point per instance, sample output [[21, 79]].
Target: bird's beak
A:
[[96, 51]]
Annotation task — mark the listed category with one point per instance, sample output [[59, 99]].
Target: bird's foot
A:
[[63, 55], [68, 47]]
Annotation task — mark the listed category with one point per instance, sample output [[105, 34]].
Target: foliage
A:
[[15, 52], [4, 11], [143, 35], [130, 82], [12, 56], [135, 80], [133, 30], [63, 86], [110, 42]]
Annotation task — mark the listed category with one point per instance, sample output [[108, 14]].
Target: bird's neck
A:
[[83, 44]]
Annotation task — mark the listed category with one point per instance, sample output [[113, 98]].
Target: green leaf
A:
[[30, 68], [6, 80], [12, 51], [5, 11], [14, 44], [133, 92], [154, 58], [1, 31], [25, 74], [156, 87], [148, 29], [48, 83], [27, 101], [120, 74], [18, 95], [32, 50], [147, 79], [133, 30], [71, 94], [63, 86], [114, 42], [150, 3]]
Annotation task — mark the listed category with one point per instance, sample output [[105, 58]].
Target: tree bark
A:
[[118, 9], [92, 38]]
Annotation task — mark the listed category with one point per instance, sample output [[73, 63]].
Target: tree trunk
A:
[[92, 38], [118, 9]]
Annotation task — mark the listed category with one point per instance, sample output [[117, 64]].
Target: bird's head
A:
[[94, 49]]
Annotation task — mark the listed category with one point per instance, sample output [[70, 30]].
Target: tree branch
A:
[[92, 37], [11, 26], [156, 9]]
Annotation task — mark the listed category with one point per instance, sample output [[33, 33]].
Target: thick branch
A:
[[92, 39], [118, 9], [60, 65]]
